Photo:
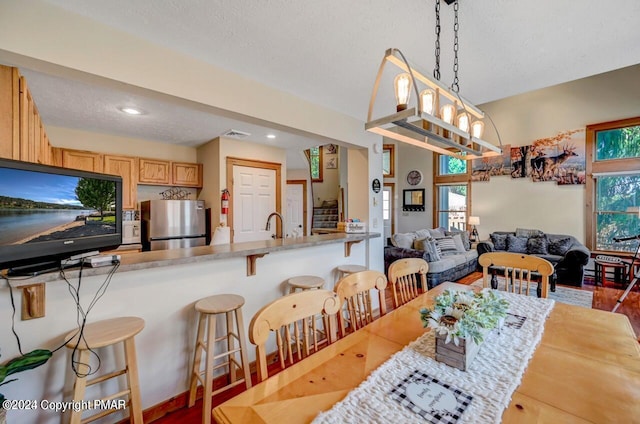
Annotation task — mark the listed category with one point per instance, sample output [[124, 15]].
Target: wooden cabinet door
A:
[[127, 168], [186, 174], [9, 113], [154, 171], [79, 159]]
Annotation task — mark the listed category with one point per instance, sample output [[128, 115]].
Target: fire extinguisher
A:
[[224, 210]]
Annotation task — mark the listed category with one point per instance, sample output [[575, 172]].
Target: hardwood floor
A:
[[604, 298]]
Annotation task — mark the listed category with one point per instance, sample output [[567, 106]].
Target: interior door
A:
[[255, 198], [294, 225]]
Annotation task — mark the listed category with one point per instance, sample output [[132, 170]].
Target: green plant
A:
[[464, 314], [25, 362]]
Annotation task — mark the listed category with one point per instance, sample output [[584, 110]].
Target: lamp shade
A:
[[474, 220]]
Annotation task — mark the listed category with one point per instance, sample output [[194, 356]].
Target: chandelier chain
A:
[[455, 86], [436, 70]]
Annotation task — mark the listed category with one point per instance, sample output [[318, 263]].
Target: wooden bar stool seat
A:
[[101, 334], [305, 282], [208, 309], [344, 270]]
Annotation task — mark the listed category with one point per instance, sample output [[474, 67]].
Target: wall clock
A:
[[414, 177]]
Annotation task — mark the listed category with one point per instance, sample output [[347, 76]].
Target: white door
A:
[[295, 210], [254, 191]]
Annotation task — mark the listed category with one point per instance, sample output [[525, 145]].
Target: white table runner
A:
[[493, 376]]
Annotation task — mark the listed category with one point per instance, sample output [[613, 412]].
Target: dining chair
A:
[[293, 320], [517, 269], [408, 278], [355, 290]]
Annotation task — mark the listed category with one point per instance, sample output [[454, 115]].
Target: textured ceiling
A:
[[328, 52]]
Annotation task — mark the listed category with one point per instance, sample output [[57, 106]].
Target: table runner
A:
[[492, 378]]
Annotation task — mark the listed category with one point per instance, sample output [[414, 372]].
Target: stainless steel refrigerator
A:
[[172, 224]]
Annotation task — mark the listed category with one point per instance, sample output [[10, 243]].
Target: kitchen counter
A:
[[251, 250]]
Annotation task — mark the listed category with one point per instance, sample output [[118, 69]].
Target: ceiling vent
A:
[[236, 134]]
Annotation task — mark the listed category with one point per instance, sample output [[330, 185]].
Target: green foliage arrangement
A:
[[464, 314], [28, 361]]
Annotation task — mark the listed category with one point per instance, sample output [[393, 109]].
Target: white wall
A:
[[409, 158], [164, 297]]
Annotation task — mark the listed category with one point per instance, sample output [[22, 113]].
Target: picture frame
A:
[[332, 163], [331, 149]]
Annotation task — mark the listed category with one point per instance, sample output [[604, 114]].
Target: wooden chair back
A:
[[293, 319], [355, 291], [404, 275], [518, 268]]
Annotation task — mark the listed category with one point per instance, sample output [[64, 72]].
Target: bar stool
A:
[[344, 270], [305, 282], [100, 334], [208, 308]]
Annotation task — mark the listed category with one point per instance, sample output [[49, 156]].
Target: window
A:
[[452, 187], [613, 161], [315, 161], [388, 160]]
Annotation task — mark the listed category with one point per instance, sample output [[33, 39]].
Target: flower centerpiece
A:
[[463, 317]]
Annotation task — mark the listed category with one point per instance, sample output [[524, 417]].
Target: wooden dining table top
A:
[[586, 369]]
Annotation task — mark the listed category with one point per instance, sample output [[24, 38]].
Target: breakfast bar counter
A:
[[251, 250]]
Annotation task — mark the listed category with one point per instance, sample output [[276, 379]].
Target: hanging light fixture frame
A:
[[415, 127]]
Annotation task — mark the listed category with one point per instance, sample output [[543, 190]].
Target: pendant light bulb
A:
[[448, 113], [402, 85], [477, 129], [428, 98], [463, 122]]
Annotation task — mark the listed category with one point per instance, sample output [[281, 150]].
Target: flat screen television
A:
[[48, 214]]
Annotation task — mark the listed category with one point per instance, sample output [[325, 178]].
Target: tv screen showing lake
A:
[[35, 206]]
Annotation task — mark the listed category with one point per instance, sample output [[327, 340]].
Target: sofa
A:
[[565, 252], [446, 263]]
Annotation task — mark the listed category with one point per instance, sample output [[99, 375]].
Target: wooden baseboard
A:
[[180, 401]]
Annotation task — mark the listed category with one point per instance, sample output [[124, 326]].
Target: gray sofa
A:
[[451, 266], [565, 252]]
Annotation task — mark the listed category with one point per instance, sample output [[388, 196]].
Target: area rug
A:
[[567, 295]]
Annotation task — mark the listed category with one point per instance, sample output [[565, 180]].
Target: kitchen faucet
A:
[[268, 226]]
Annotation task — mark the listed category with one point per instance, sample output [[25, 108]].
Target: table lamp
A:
[[473, 221]]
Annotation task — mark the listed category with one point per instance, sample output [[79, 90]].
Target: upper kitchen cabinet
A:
[[154, 171], [186, 174], [83, 160], [22, 134], [127, 168]]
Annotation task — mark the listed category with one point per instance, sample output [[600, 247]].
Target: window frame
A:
[[449, 179], [320, 166], [605, 166]]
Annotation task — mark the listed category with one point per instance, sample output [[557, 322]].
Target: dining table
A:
[[585, 369]]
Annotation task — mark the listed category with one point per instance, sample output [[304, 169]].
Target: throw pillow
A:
[[447, 246], [464, 235], [423, 234], [499, 241], [523, 232], [516, 244], [538, 245], [428, 245], [404, 240], [436, 232], [457, 240], [560, 246]]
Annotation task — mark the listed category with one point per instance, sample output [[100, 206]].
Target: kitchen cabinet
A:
[[186, 174], [127, 168], [83, 160], [154, 171], [22, 135]]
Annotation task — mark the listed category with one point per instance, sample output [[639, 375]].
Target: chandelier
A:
[[442, 120]]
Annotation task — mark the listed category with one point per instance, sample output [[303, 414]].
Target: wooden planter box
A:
[[460, 356]]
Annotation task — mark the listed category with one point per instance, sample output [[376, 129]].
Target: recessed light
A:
[[271, 136], [131, 111]]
